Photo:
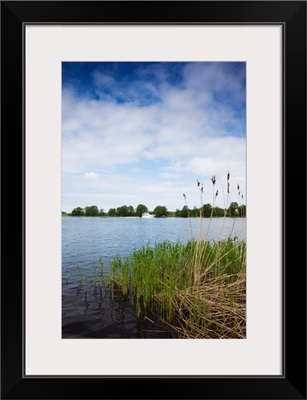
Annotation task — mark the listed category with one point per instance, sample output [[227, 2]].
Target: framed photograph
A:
[[163, 176]]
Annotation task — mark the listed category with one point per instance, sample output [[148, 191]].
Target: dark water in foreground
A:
[[89, 311], [95, 315]]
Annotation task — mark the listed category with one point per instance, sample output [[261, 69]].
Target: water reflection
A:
[[93, 312], [88, 308]]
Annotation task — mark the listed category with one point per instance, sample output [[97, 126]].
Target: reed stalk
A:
[[205, 300], [197, 289]]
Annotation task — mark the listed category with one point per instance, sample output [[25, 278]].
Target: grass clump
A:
[[197, 288]]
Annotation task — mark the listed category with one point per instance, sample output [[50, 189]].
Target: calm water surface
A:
[[91, 313], [86, 239]]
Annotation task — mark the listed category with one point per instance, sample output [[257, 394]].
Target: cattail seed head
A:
[[198, 183], [216, 193], [183, 195], [228, 176], [238, 186], [213, 179], [202, 188], [228, 187]]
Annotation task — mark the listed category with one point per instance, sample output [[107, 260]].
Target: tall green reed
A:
[[197, 288]]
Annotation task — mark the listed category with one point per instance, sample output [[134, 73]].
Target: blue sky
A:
[[135, 132]]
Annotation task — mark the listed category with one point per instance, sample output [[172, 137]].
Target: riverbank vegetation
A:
[[196, 289], [207, 211]]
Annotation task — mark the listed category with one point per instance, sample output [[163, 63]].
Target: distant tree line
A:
[[234, 210], [122, 211]]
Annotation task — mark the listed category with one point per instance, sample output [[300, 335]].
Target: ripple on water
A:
[[85, 240]]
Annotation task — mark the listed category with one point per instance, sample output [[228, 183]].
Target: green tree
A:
[[185, 212], [122, 211], [207, 209], [141, 208], [112, 212], [195, 212], [160, 211], [130, 211], [233, 209], [177, 213], [91, 211], [218, 212], [77, 212], [242, 210]]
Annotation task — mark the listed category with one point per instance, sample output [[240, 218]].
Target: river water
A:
[[90, 312]]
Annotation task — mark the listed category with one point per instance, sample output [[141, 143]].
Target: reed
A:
[[197, 289], [214, 196], [86, 283], [101, 267], [225, 205], [79, 274], [95, 277]]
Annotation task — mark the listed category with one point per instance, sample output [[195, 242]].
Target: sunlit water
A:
[[87, 239]]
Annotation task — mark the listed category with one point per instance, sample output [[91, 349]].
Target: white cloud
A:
[[91, 175], [186, 129]]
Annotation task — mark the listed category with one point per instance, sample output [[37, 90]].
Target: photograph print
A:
[[154, 200]]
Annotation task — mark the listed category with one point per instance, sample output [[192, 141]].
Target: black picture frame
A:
[[292, 16]]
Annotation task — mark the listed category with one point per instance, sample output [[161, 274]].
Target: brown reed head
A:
[[213, 179]]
